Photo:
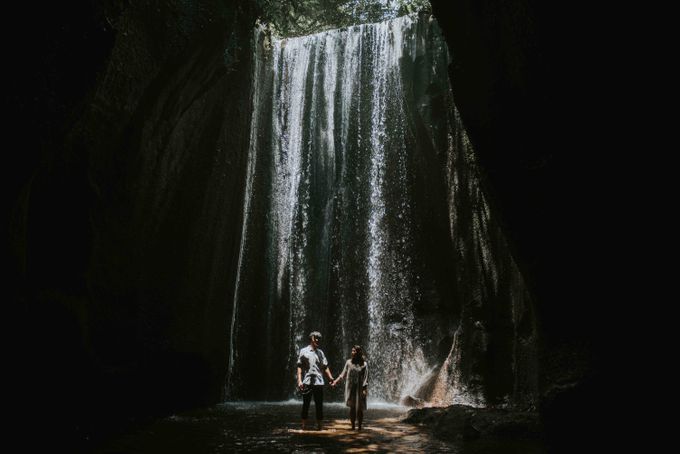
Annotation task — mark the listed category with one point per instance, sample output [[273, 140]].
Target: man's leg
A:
[[318, 405], [306, 400]]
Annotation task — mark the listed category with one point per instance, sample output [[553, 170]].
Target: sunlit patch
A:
[[378, 435]]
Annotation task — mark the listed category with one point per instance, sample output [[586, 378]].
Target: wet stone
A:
[[462, 422]]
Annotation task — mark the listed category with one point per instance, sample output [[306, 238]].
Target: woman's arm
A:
[[364, 390], [342, 374]]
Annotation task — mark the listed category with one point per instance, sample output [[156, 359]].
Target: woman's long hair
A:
[[359, 358]]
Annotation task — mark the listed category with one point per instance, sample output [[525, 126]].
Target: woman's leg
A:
[[360, 414], [352, 414], [361, 404], [353, 405]]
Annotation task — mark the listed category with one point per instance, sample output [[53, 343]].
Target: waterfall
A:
[[365, 218]]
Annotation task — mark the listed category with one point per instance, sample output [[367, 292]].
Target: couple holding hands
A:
[[310, 365]]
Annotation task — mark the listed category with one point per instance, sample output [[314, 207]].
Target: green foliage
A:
[[303, 17]]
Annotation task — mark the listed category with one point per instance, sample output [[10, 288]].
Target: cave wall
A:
[[529, 84], [126, 209]]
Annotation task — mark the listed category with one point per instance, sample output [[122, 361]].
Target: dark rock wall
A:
[[529, 85], [127, 208]]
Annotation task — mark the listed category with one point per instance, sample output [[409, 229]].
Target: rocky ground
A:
[[275, 427], [464, 423]]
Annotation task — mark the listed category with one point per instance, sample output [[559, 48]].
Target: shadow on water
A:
[[275, 427]]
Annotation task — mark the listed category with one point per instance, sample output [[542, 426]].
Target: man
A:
[[310, 365]]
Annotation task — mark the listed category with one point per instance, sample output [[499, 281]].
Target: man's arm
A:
[[325, 367], [299, 376]]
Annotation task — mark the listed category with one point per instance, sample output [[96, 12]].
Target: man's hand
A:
[[300, 385]]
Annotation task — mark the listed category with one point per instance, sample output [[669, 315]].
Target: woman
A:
[[355, 375]]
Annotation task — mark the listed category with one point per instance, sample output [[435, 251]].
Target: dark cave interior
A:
[[81, 341]]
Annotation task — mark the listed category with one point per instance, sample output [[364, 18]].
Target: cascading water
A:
[[364, 218]]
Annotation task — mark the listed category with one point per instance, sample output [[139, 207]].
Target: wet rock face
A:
[[168, 136], [519, 92], [518, 72], [460, 422], [166, 141], [126, 225]]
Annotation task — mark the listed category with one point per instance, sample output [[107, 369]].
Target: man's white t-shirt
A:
[[312, 362]]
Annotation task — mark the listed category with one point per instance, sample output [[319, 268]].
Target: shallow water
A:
[[275, 427]]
